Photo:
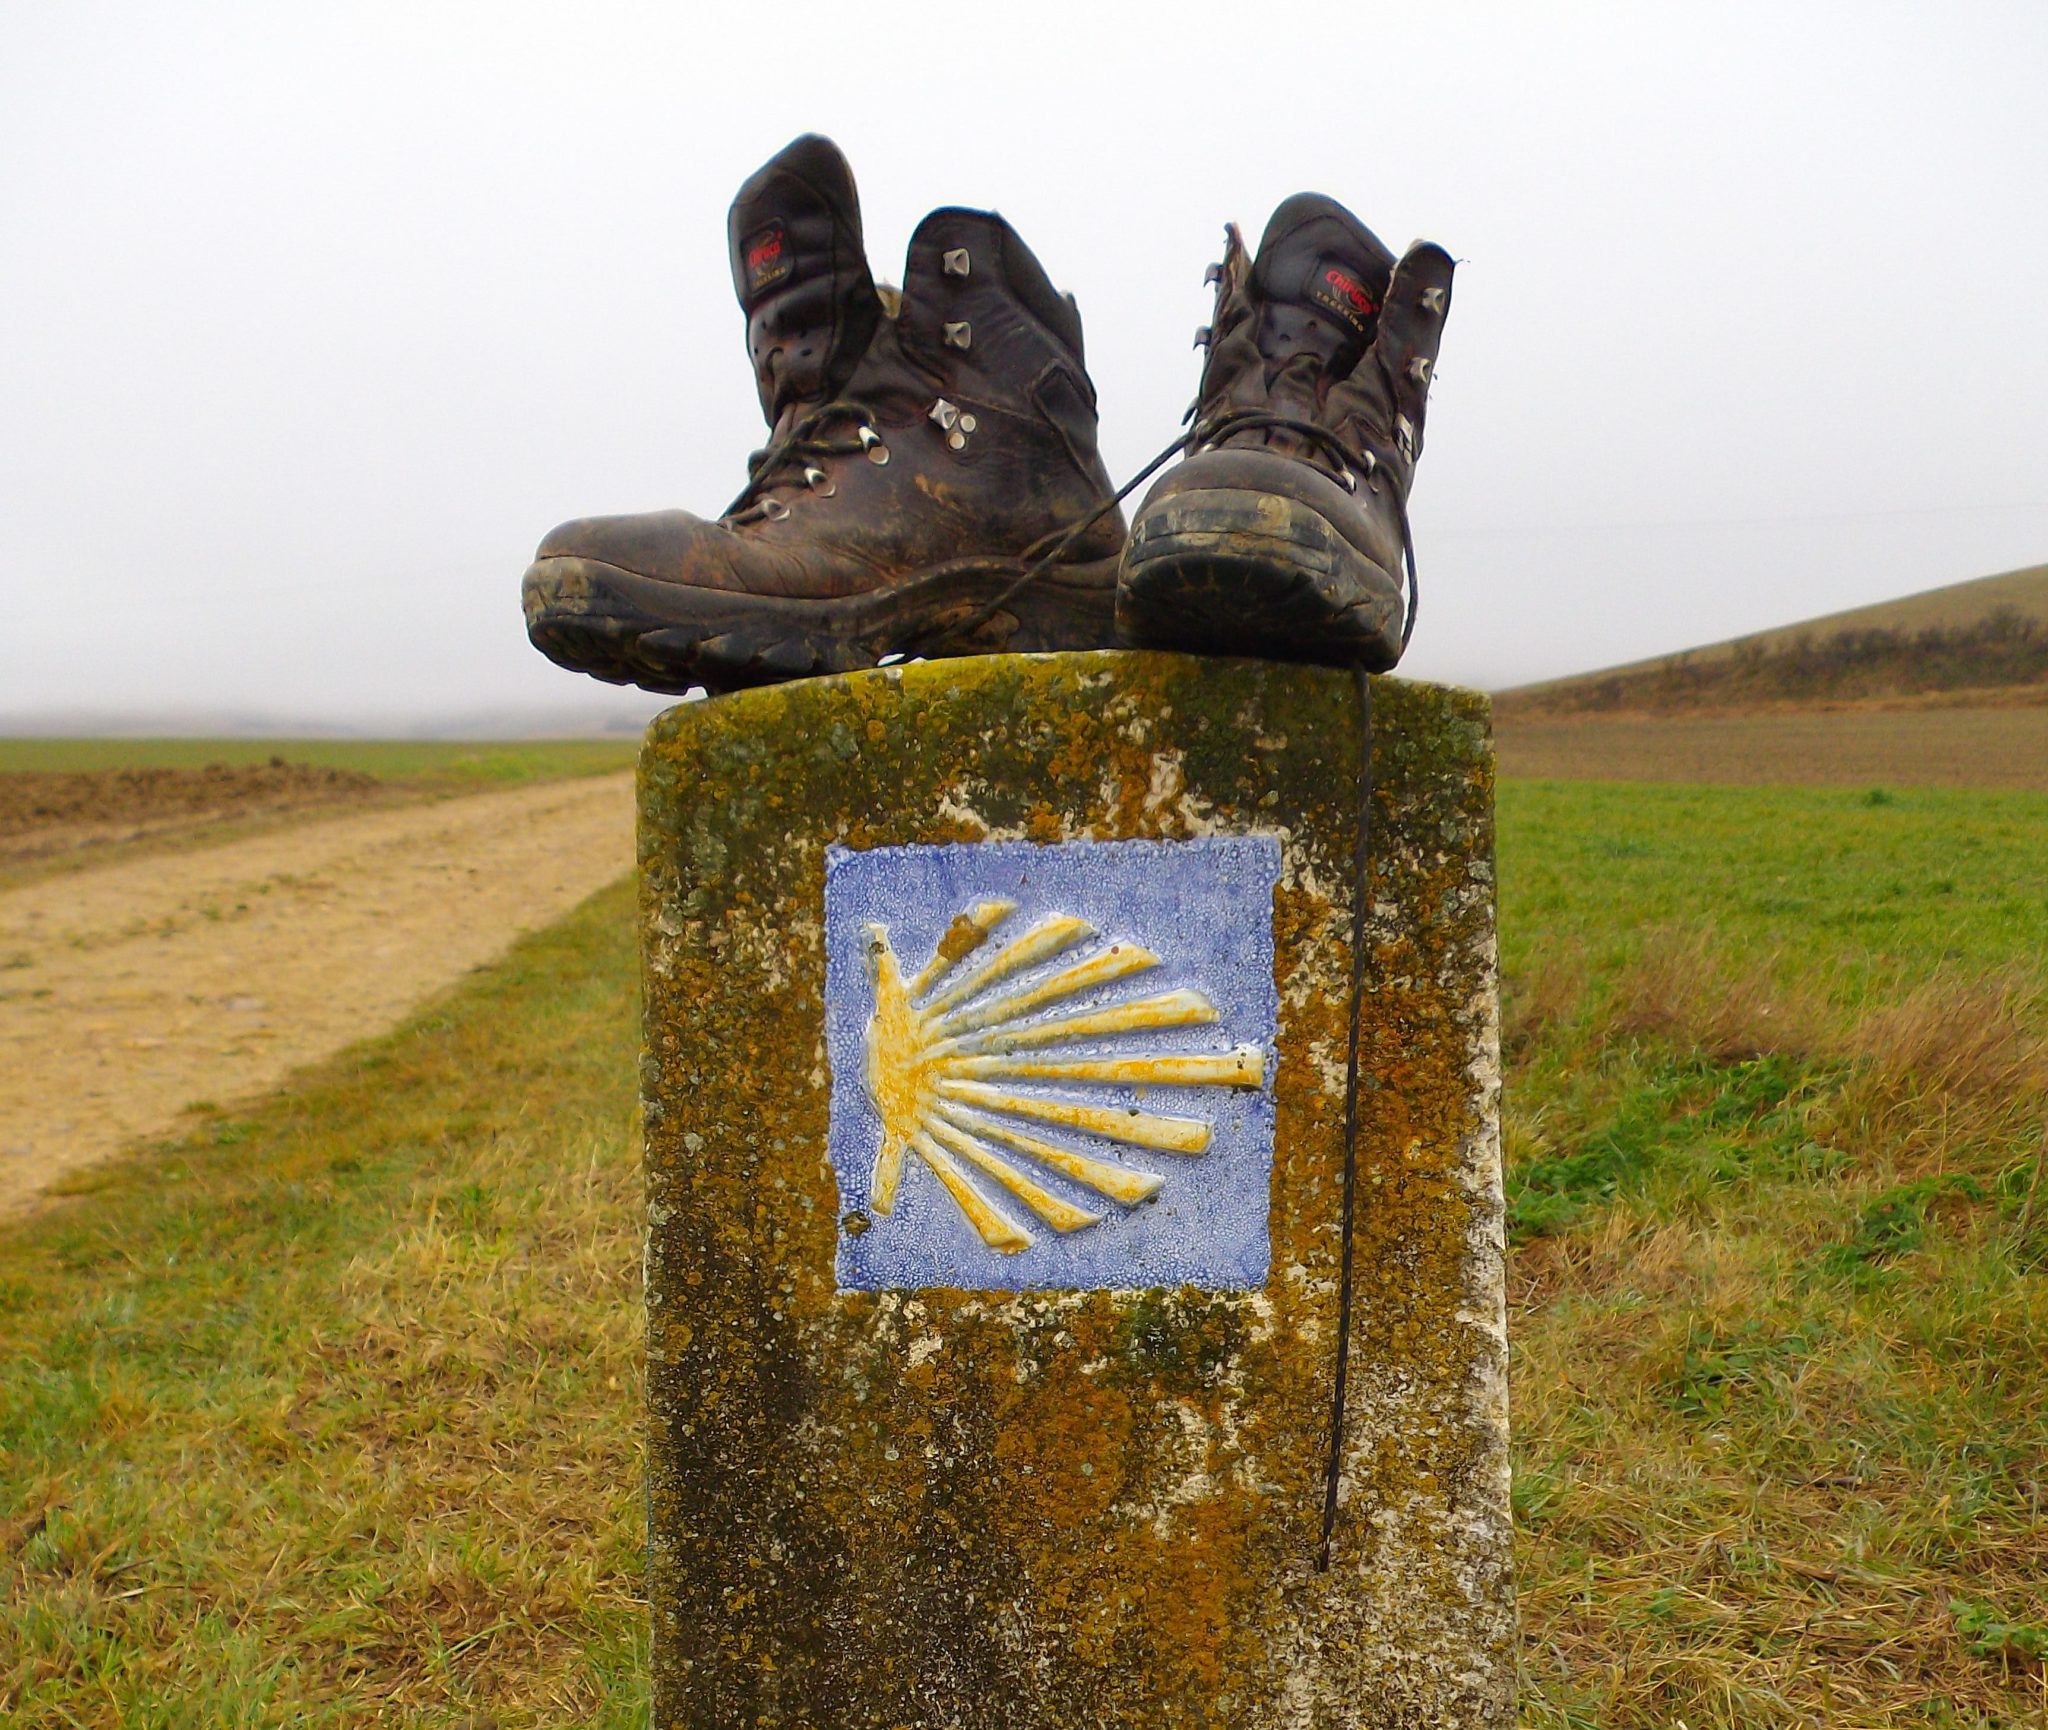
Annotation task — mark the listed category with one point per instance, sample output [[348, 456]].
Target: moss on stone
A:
[[1102, 1508]]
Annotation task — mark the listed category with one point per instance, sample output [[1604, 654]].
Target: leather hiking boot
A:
[[1283, 533], [921, 456]]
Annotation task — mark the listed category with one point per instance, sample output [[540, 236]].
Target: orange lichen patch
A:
[[968, 932], [1051, 935]]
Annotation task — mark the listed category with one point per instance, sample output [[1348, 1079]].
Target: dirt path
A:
[[129, 992]]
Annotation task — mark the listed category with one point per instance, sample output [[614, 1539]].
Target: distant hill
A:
[[1988, 638]]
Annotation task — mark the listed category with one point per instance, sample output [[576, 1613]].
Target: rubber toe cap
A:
[[653, 544]]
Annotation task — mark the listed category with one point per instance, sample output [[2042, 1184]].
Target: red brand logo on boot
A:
[[767, 258], [1341, 292]]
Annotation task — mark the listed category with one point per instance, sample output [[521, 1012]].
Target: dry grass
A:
[[1782, 1409], [1951, 1062], [1680, 989], [327, 1416]]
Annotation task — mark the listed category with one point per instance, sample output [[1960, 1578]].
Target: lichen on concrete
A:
[[1051, 1508]]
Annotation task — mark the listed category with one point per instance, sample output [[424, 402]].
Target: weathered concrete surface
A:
[[1065, 1508]]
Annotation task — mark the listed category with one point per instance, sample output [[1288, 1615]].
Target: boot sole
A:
[[1225, 571], [632, 630]]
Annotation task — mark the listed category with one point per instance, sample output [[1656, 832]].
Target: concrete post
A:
[[1000, 1190]]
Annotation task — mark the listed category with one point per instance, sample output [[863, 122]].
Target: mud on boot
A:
[[1285, 531], [919, 455]]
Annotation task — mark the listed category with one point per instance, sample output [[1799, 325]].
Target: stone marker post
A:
[[1005, 1367]]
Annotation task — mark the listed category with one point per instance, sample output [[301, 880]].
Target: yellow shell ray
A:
[[998, 1230], [1111, 1122], [1119, 1182], [1105, 966], [1060, 1214], [1243, 1067], [1173, 1009], [1044, 940]]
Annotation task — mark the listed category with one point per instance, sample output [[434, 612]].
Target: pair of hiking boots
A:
[[931, 483]]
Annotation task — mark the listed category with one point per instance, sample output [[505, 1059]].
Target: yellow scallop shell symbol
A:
[[964, 1076]]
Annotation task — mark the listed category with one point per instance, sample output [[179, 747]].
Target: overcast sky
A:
[[314, 318]]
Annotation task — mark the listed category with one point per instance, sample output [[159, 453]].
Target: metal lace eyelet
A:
[[878, 454], [820, 483], [1347, 480], [774, 510]]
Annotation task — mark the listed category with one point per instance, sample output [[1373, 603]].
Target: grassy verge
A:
[[325, 1416], [330, 1414]]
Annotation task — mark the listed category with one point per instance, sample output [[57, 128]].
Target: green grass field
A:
[[330, 1413], [456, 764], [1780, 1283]]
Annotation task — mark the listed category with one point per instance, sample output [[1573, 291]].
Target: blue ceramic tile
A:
[[1034, 1102]]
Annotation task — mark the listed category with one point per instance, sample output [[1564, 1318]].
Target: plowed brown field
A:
[[45, 815], [1875, 747]]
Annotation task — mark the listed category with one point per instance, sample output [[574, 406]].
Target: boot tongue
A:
[[1321, 277], [801, 274]]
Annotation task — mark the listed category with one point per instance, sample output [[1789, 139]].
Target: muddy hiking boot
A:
[[922, 455], [1284, 532]]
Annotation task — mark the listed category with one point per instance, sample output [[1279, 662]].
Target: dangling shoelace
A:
[[804, 441], [1202, 436]]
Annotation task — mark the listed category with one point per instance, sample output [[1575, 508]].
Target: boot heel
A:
[[1236, 572]]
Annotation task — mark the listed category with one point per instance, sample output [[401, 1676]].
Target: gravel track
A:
[[131, 991]]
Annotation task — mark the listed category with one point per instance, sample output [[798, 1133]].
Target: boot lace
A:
[[1042, 555], [1345, 464], [795, 456]]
